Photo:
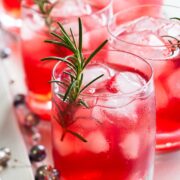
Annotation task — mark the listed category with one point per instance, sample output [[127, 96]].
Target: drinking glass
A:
[[154, 35], [94, 17], [118, 125]]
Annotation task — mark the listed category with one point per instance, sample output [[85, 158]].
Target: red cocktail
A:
[[34, 32], [12, 7], [119, 124], [155, 36]]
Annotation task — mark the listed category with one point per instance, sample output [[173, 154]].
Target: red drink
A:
[[12, 7], [155, 38], [34, 33], [119, 124]]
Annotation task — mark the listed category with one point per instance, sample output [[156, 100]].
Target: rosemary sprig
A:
[[173, 46], [45, 8], [175, 18], [76, 64], [171, 39]]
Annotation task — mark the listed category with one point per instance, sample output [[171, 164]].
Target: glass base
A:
[[38, 106], [168, 141]]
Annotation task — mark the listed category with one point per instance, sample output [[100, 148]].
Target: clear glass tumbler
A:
[[118, 125], [34, 31], [154, 34]]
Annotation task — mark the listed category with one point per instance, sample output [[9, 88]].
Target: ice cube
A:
[[99, 115], [93, 71], [121, 115], [173, 83], [27, 33], [143, 38], [64, 147], [171, 28], [32, 25], [148, 23], [147, 45], [69, 145], [130, 145], [97, 143], [84, 120], [125, 82]]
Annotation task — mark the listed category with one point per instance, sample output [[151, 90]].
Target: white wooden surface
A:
[[11, 137]]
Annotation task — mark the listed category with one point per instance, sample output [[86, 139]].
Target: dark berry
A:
[[5, 156], [55, 175], [41, 173], [19, 99], [37, 153], [31, 120], [4, 53], [47, 173]]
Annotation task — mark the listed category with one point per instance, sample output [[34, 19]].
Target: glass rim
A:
[[136, 7], [130, 94], [109, 4]]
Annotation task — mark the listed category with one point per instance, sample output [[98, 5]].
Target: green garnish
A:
[[175, 18], [45, 8], [173, 46], [173, 41], [76, 64]]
